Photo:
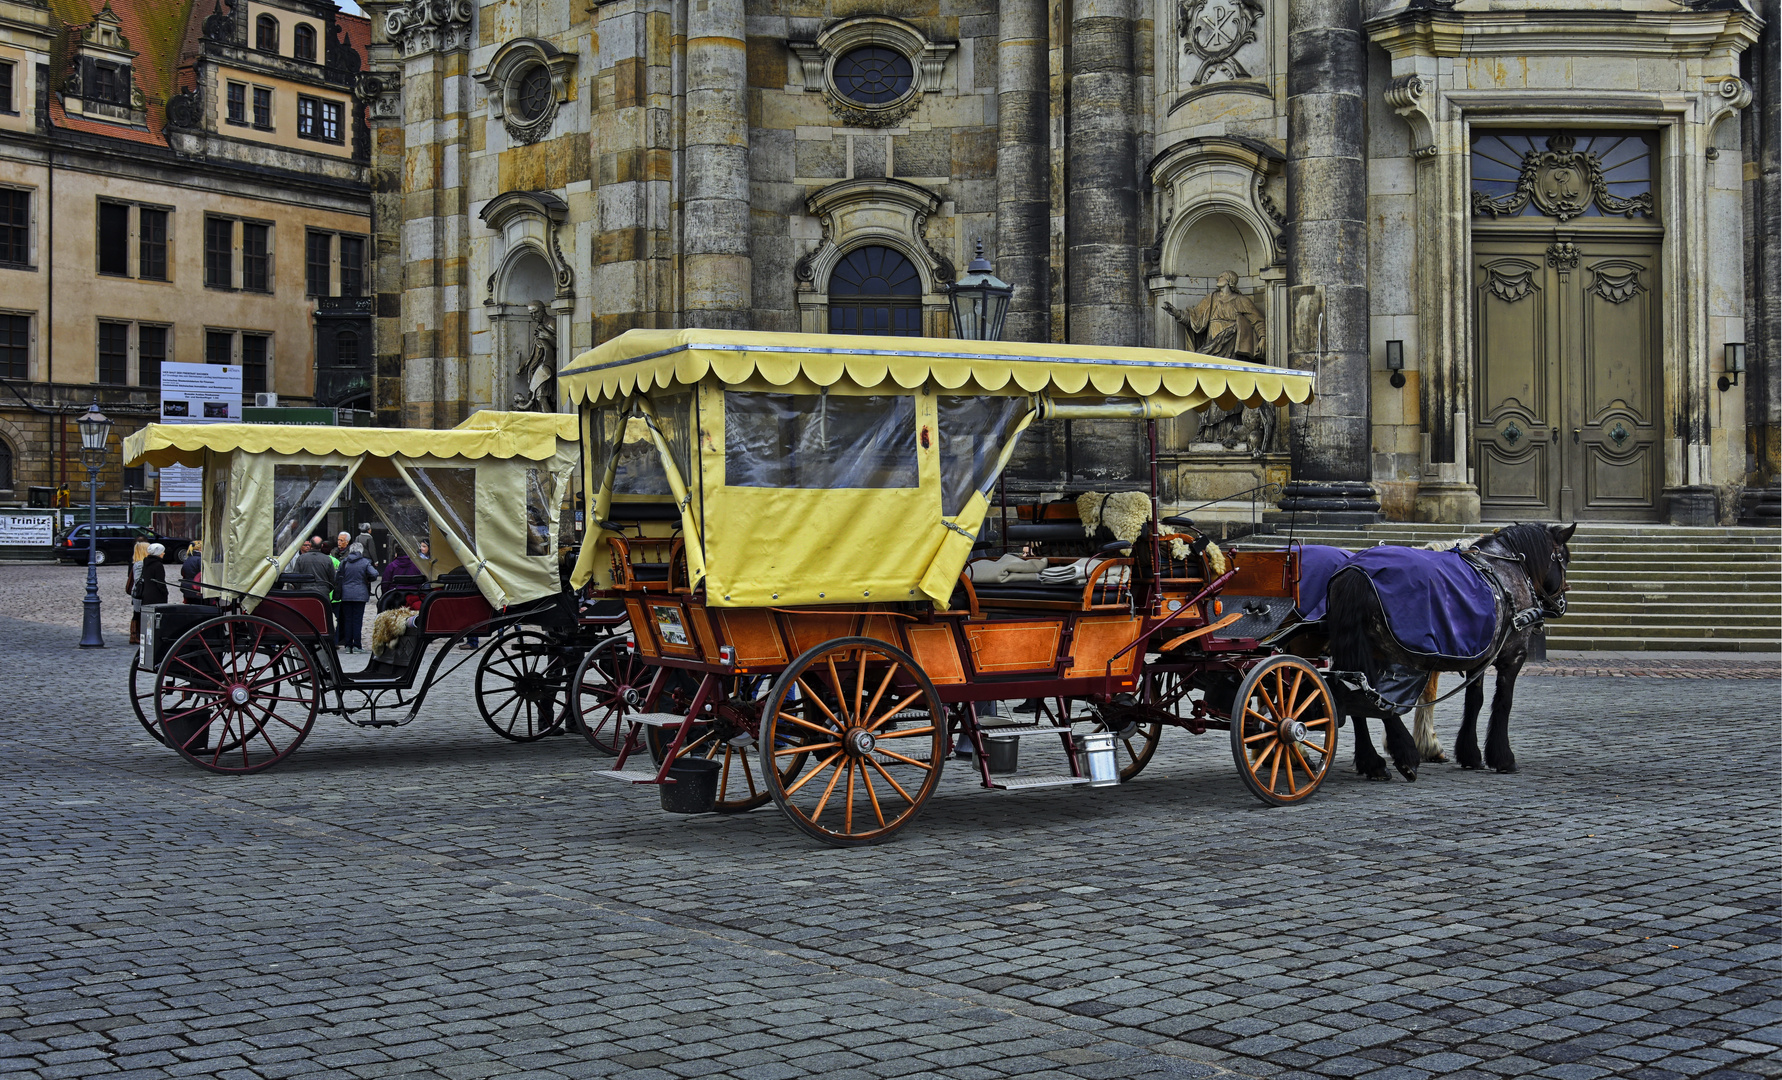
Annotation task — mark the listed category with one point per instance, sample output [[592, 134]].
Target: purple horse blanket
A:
[[1436, 603]]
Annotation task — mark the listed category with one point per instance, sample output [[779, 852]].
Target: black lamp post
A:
[[95, 436], [980, 300]]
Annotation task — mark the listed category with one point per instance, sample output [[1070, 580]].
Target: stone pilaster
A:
[[380, 88], [715, 202], [1762, 140], [1327, 238], [1103, 259], [1023, 173], [632, 133]]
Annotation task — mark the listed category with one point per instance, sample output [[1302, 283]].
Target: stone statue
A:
[[1226, 324], [537, 377]]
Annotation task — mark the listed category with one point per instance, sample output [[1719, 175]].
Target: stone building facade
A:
[[1517, 240], [180, 180]]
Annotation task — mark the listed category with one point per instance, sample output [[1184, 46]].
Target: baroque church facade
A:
[[1529, 247]]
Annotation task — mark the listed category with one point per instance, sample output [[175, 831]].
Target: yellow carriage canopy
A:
[[483, 496], [833, 469]]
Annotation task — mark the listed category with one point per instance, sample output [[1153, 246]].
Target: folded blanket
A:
[[1078, 571], [1007, 568]]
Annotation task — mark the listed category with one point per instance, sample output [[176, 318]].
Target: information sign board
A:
[[27, 529]]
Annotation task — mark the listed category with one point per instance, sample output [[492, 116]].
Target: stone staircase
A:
[[1642, 587]]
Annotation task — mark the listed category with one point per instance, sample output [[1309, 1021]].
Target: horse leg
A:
[[1401, 746], [1497, 735], [1368, 761], [1466, 743], [1429, 746]]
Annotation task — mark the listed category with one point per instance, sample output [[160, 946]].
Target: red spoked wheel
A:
[[871, 720], [236, 694], [610, 682], [1283, 730], [142, 696]]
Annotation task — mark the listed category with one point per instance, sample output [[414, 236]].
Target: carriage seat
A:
[[297, 606], [1065, 594], [1054, 531], [455, 605]]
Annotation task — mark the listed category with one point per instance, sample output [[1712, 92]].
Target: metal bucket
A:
[[1001, 752], [695, 786], [1095, 759]]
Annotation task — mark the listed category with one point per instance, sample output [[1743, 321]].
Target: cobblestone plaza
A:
[[433, 901]]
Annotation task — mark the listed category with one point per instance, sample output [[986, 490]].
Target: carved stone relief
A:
[[1562, 182], [1215, 34], [431, 25]]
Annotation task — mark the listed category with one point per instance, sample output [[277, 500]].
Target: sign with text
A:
[[196, 394], [27, 528], [181, 485]]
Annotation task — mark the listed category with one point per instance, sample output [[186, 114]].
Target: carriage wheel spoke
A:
[[1275, 770], [904, 734], [873, 796], [830, 790], [801, 722], [893, 711], [892, 780], [1292, 788], [848, 805], [878, 695], [923, 765], [841, 700], [815, 700], [790, 750], [809, 776]]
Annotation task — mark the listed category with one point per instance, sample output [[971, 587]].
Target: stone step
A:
[[1649, 644], [1708, 625], [1670, 608], [1661, 630]]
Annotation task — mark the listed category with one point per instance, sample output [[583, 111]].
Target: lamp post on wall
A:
[[980, 301], [95, 437]]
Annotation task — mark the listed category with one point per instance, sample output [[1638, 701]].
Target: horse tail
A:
[[1350, 601]]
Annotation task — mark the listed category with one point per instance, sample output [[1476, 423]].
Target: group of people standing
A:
[[349, 569]]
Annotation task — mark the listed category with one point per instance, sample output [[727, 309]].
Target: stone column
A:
[[1327, 258], [716, 271], [380, 88], [1023, 173], [1102, 269], [1762, 138]]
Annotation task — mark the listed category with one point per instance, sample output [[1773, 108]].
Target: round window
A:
[[873, 75], [533, 93]]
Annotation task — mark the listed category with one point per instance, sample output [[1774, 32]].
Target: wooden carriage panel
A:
[[937, 651], [754, 634], [808, 629], [1014, 646], [450, 614], [640, 627], [1098, 639], [1263, 573], [668, 624], [882, 628], [701, 622]]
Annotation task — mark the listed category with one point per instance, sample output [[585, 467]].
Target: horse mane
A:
[[1531, 541]]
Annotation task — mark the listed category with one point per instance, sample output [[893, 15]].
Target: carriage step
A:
[[655, 719], [626, 777], [1024, 783], [1000, 732]]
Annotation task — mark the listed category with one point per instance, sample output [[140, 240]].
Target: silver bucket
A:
[[1095, 759]]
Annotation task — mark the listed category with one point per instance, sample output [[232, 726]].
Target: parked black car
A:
[[116, 541]]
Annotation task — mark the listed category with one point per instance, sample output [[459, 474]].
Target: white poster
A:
[[27, 528], [200, 393], [196, 394]]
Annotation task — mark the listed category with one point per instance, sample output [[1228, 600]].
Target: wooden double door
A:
[[1567, 393]]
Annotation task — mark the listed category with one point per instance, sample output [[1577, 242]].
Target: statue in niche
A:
[[1226, 324], [537, 378]]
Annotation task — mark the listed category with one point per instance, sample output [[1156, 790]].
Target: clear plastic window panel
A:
[[674, 417], [403, 514], [640, 465], [538, 511], [973, 431], [299, 494], [216, 507], [450, 495], [819, 440]]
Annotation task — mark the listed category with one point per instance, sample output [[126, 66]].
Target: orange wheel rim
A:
[[1289, 732]]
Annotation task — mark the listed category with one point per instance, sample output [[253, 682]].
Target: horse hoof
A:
[[1437, 758], [1408, 774], [1375, 774], [1504, 769]]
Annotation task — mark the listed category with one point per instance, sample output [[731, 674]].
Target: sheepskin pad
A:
[[1123, 512], [387, 627]]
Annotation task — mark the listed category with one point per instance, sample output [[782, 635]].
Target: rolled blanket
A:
[[1077, 572], [995, 572]]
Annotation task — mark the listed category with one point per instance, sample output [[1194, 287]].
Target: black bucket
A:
[[695, 786], [185, 731], [1001, 752]]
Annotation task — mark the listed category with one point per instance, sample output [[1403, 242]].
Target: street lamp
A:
[[95, 436], [980, 300]]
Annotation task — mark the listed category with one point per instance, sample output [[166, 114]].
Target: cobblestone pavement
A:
[[434, 901]]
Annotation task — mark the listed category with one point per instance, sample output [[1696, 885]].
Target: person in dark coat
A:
[[353, 585], [191, 572], [151, 583], [400, 566]]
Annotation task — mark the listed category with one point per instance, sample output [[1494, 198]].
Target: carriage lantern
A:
[[980, 300], [95, 438]]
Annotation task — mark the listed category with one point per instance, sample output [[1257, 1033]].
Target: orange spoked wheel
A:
[[1283, 730], [873, 730]]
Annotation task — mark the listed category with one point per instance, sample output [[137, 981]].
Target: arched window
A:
[[875, 290], [303, 41], [266, 34], [346, 348], [5, 466]]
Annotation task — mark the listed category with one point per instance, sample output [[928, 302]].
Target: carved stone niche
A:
[[817, 60], [527, 81], [854, 213], [529, 219]]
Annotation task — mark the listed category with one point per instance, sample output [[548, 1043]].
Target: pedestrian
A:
[[338, 553], [354, 587], [191, 572], [131, 576], [400, 566], [315, 563], [367, 542], [151, 583]]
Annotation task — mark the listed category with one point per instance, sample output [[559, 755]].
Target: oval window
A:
[[533, 93], [873, 75]]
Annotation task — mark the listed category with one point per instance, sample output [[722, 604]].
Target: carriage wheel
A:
[[142, 696], [236, 694], [872, 722], [732, 740], [610, 682], [518, 681], [1283, 730]]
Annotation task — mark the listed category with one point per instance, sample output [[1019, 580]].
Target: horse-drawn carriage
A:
[[805, 628], [234, 684]]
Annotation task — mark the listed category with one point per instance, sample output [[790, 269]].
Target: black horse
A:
[[1528, 565]]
